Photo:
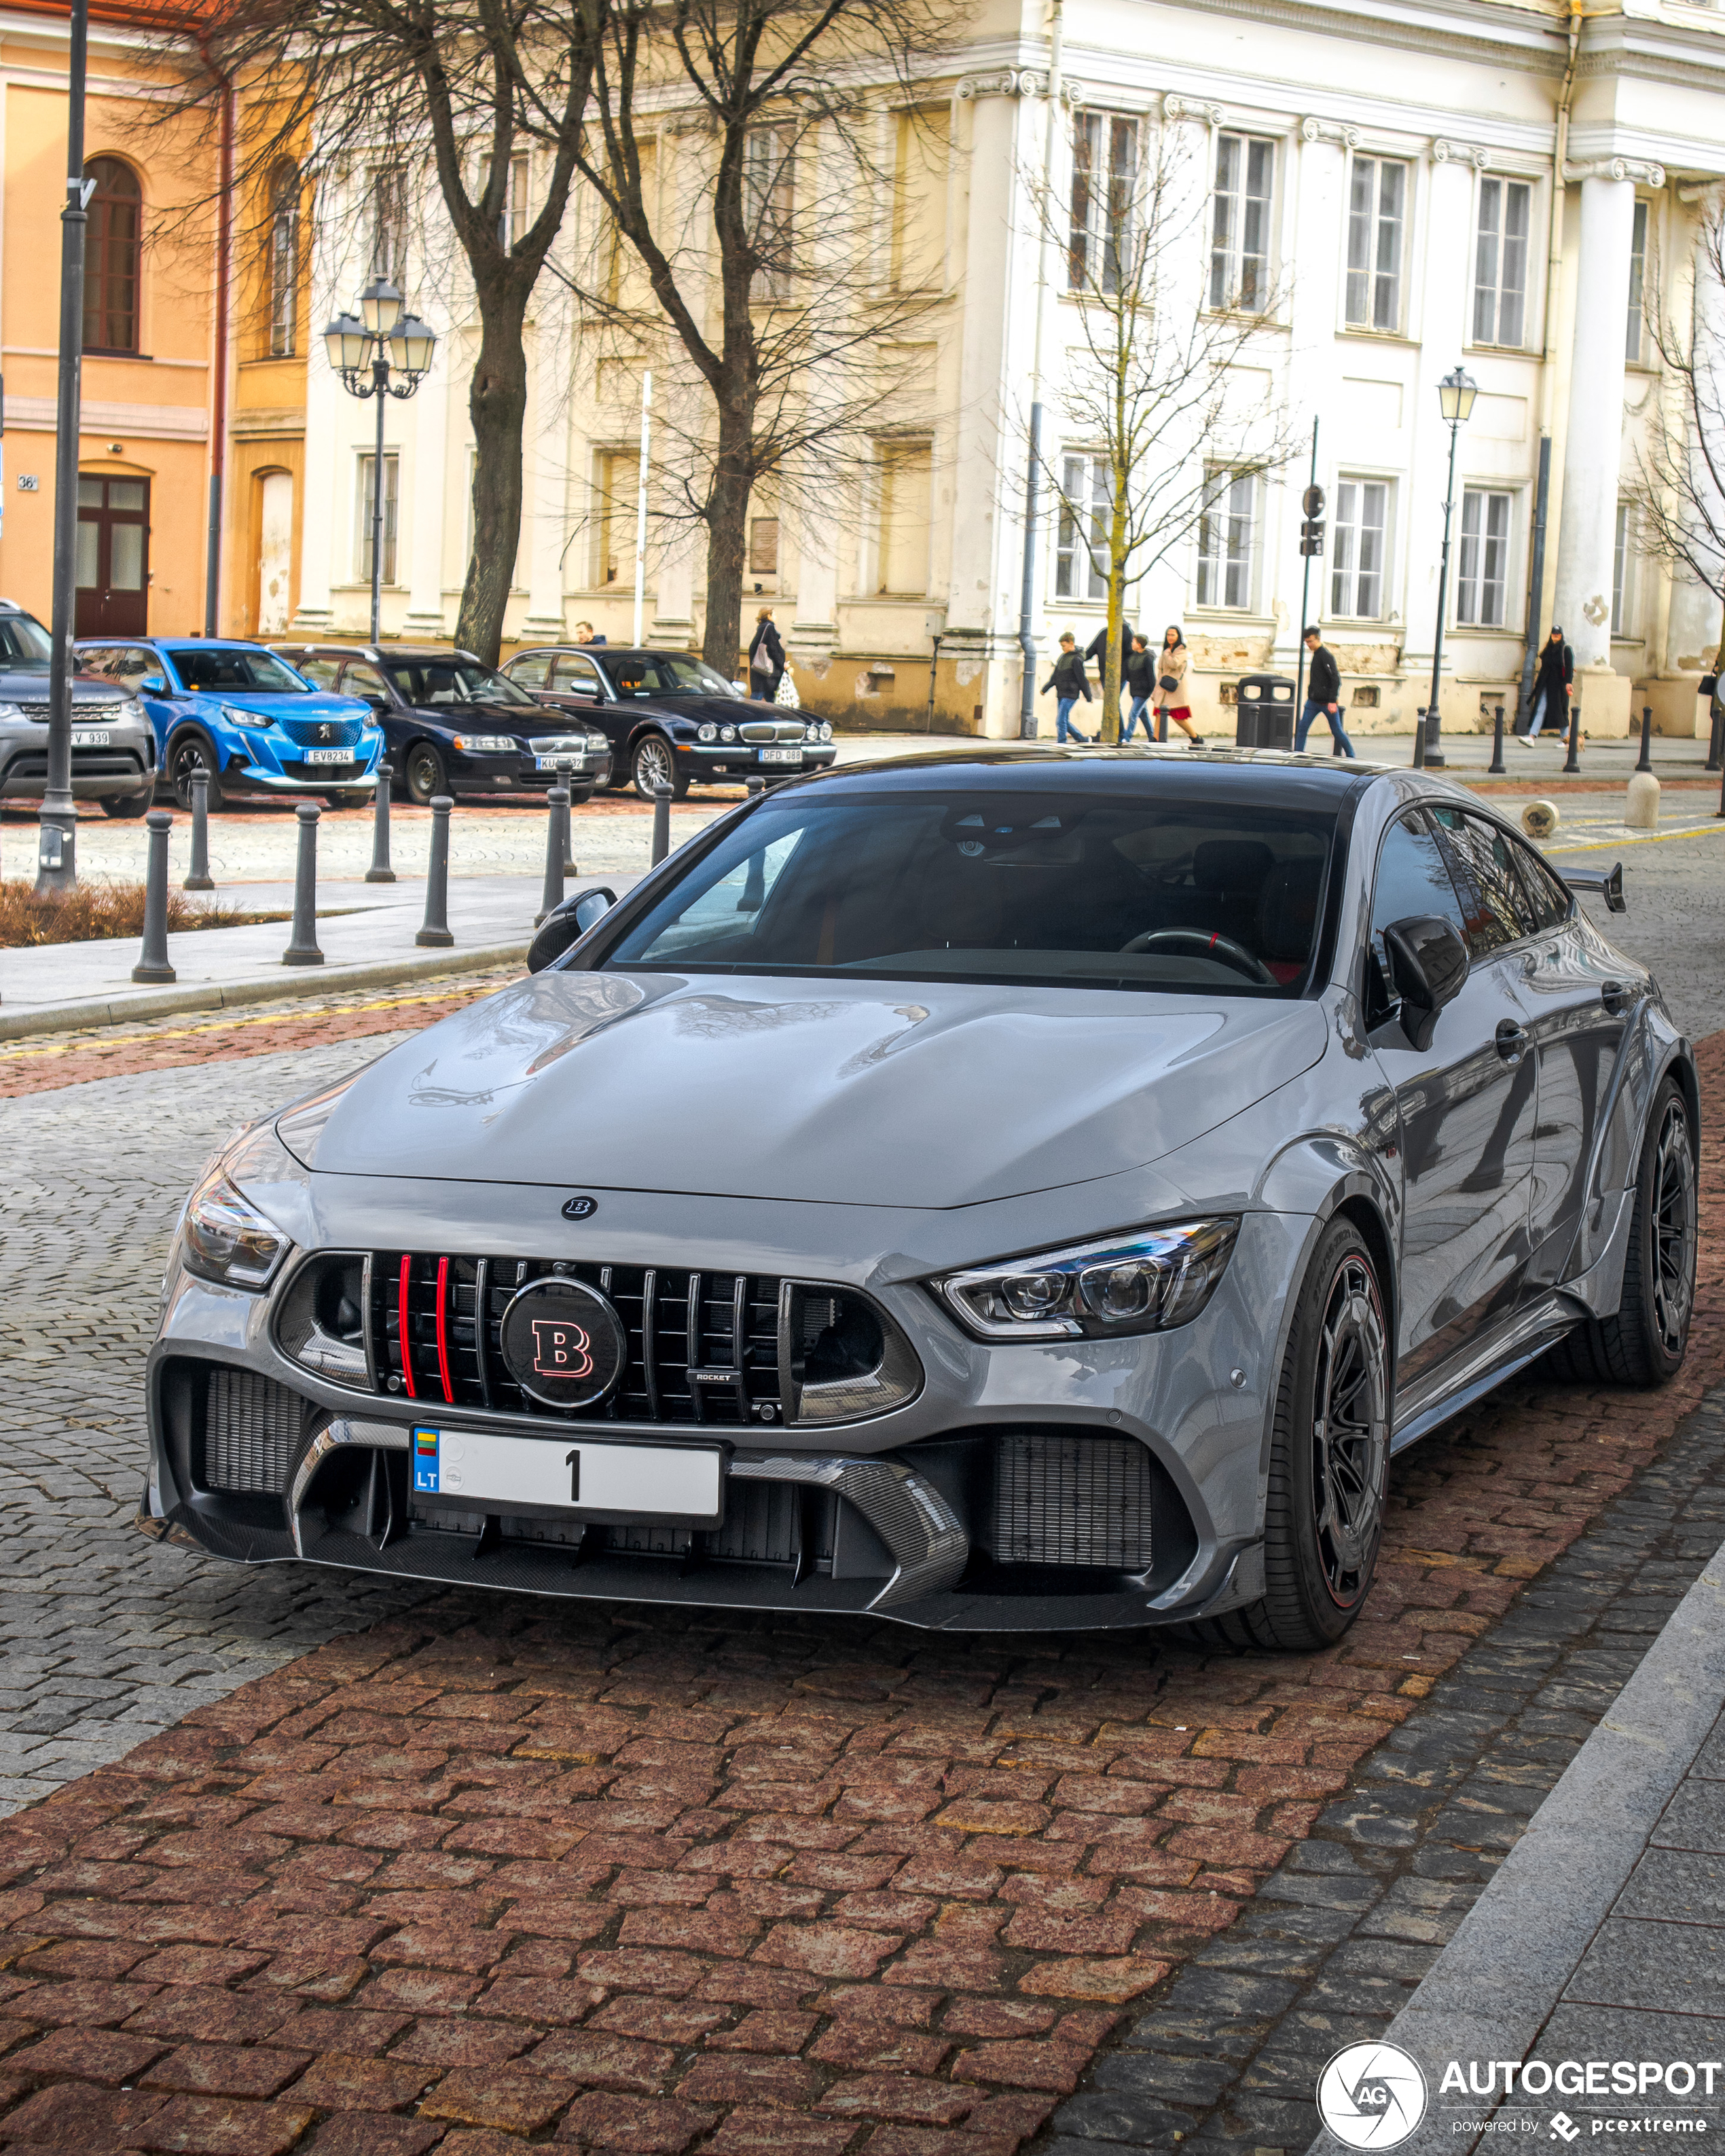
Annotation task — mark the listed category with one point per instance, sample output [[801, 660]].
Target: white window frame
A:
[[1346, 534], [1225, 566], [1491, 290], [1485, 558], [1101, 216], [1369, 224], [1084, 477], [364, 463], [1622, 575], [770, 203], [1231, 213], [1635, 328]]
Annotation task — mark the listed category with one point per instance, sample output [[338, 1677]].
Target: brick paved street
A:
[[500, 1868]]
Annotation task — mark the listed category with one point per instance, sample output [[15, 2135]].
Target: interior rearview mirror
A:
[[154, 684], [1428, 964], [565, 925]]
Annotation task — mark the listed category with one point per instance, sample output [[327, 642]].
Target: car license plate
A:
[[91, 738], [557, 762], [329, 756], [659, 1481], [780, 755]]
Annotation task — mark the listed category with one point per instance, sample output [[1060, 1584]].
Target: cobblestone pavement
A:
[[497, 1868]]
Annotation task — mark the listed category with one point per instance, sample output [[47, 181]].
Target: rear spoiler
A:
[[1602, 883]]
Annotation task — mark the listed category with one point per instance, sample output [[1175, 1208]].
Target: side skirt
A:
[[1521, 1339]]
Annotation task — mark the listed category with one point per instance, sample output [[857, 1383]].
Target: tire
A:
[[1324, 1517], [652, 760], [1644, 1341], [423, 773], [186, 753], [127, 804]]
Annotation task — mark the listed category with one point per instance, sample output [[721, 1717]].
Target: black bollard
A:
[[567, 822], [1572, 762], [199, 878], [1496, 765], [1644, 761], [757, 785], [1419, 742], [436, 931], [152, 961], [661, 823], [302, 947], [556, 800], [380, 870]]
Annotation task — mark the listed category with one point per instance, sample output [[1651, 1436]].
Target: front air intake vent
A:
[[252, 1427], [1069, 1498]]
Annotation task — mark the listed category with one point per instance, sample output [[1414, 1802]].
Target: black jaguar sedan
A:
[[453, 725], [670, 719]]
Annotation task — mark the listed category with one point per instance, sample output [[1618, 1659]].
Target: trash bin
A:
[[1264, 711]]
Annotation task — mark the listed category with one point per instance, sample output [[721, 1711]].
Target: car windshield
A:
[[665, 674], [1077, 889], [452, 681], [24, 645], [210, 667]]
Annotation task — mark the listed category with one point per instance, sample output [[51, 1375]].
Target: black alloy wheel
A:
[[190, 751], [1644, 1341], [128, 804], [424, 774], [653, 764]]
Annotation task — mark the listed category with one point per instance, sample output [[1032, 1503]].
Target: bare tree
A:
[[1154, 414], [1680, 469]]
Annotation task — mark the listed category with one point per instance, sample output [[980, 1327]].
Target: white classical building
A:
[[1424, 182]]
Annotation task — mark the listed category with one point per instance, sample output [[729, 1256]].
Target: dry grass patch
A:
[[96, 912]]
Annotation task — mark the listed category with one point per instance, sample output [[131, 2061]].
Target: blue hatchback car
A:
[[244, 715]]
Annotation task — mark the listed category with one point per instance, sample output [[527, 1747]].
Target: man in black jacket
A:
[[1324, 693], [1068, 683]]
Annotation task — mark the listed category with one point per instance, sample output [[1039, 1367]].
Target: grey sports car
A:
[[996, 1190]]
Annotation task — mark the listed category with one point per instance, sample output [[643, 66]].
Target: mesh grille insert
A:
[[322, 733], [1069, 1499], [251, 1432]]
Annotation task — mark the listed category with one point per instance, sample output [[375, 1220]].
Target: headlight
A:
[[727, 734], [133, 712], [707, 732], [826, 730], [249, 719], [472, 744], [598, 741], [226, 1238], [1145, 1283]]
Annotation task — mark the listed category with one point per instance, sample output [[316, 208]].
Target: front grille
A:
[[772, 730], [322, 733], [331, 774], [87, 710], [765, 1523], [1072, 1499], [251, 1432]]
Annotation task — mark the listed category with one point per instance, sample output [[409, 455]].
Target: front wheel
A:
[[189, 751], [425, 774], [653, 764], [127, 804]]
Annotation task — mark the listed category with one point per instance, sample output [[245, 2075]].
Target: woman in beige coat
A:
[[1169, 700]]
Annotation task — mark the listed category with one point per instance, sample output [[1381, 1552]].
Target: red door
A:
[[113, 556]]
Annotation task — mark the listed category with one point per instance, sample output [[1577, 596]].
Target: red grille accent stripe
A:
[[401, 1325], [442, 1327]]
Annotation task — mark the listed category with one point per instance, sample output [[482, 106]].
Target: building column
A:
[[1694, 633]]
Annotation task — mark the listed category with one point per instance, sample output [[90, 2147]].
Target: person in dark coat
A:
[[1069, 683], [1141, 683], [1097, 650], [766, 659], [1551, 689], [1324, 693]]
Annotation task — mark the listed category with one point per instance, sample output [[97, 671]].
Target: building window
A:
[[1239, 223], [1226, 535], [1360, 538], [1500, 262], [365, 506], [907, 499], [512, 218], [1081, 554], [620, 482], [386, 223], [1105, 170], [1622, 571], [764, 547], [769, 169], [1483, 566], [113, 257], [283, 259], [1377, 212], [919, 198], [1635, 337]]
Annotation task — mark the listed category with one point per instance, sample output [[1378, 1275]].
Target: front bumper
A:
[[714, 760], [127, 765]]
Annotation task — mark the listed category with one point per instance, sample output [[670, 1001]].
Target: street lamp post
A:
[[1455, 394], [382, 342]]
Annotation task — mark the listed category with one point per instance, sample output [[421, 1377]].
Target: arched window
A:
[[284, 258], [114, 245]]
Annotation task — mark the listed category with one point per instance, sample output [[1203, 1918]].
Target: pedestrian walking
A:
[[766, 659], [1069, 683], [1324, 693], [1169, 695], [1551, 689], [1141, 681], [1097, 648]]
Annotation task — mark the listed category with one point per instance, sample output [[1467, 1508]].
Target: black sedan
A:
[[671, 718], [453, 725]]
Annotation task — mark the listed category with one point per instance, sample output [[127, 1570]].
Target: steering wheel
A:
[[1199, 944]]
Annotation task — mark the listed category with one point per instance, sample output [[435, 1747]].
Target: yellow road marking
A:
[[1637, 839]]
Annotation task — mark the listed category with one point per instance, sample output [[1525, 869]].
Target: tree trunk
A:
[[497, 398], [727, 508]]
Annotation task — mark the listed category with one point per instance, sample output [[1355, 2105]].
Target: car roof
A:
[[609, 650], [1265, 777], [385, 652]]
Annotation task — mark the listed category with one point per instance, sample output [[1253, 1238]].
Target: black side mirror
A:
[[565, 925], [1428, 964]]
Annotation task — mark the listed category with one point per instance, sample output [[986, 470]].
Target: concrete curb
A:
[[307, 981], [1492, 1989]]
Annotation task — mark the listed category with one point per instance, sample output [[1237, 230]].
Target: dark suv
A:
[[670, 717], [113, 741], [453, 725]]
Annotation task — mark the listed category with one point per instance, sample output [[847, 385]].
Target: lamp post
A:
[[366, 351], [1455, 394]]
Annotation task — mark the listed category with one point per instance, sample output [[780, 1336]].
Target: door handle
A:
[[1615, 997], [1511, 1041]]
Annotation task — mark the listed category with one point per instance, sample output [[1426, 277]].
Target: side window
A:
[[362, 679], [321, 673], [577, 676], [1549, 899], [531, 672], [1492, 905], [1412, 880]]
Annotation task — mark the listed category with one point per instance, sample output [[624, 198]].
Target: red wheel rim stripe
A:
[[443, 1328], [401, 1327]]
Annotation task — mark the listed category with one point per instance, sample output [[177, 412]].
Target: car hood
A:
[[918, 1095], [268, 704], [26, 685]]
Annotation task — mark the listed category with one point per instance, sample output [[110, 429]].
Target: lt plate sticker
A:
[[425, 1459]]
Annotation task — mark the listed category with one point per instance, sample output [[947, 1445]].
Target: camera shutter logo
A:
[[564, 1344], [1372, 2095]]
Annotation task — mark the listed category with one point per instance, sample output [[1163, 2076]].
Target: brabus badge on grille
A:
[[564, 1343], [580, 1208]]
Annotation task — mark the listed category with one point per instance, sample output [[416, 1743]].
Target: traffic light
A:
[[1312, 528]]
